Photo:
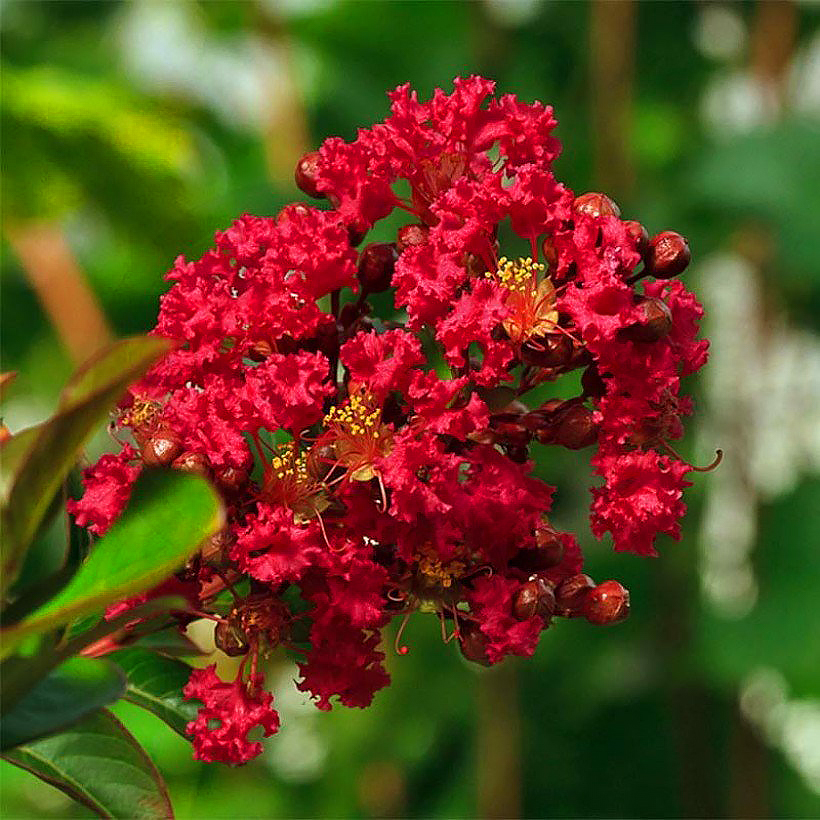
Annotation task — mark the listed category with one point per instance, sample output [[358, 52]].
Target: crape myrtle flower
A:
[[374, 469]]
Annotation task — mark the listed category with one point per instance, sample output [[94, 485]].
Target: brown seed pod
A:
[[668, 255], [654, 324], [307, 173], [230, 639], [160, 449], [607, 603], [571, 594], [596, 204], [534, 597]]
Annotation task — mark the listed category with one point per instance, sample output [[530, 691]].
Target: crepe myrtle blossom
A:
[[373, 469]]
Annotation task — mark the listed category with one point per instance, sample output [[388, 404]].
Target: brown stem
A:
[[612, 43], [60, 285], [499, 743]]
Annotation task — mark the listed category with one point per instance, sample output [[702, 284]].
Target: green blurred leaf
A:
[[169, 515], [36, 461], [69, 693], [771, 173], [98, 763], [155, 682], [70, 138]]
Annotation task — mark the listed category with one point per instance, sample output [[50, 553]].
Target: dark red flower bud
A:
[[593, 383], [376, 265], [608, 603], [654, 324], [409, 235], [548, 552], [668, 255], [534, 598], [230, 639], [473, 643], [326, 339], [307, 174], [572, 426], [639, 235], [596, 204], [231, 479], [571, 594], [160, 449], [552, 350], [191, 462], [549, 545], [351, 312]]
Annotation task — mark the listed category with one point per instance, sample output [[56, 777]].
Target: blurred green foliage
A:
[[640, 720]]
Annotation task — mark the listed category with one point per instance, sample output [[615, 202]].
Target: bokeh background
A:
[[132, 131]]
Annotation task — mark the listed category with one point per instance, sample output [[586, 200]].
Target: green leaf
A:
[[69, 693], [100, 764], [35, 462], [155, 682], [169, 515]]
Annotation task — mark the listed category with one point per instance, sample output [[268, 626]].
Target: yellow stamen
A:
[[519, 276]]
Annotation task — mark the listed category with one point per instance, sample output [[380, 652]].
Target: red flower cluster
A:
[[373, 469]]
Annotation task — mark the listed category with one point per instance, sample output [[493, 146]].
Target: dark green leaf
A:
[[35, 462], [155, 682], [100, 764], [170, 513], [69, 693]]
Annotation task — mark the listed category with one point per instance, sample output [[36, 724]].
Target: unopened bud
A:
[[571, 594], [376, 265], [191, 462], [654, 324], [232, 479], [639, 235], [596, 204], [473, 643], [668, 255], [572, 427], [307, 174], [608, 603], [548, 552], [552, 350], [534, 598], [160, 449]]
